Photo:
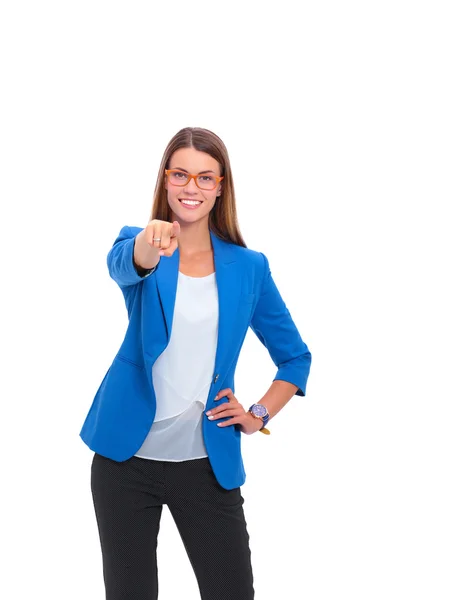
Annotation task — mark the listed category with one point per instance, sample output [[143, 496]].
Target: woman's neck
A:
[[194, 239]]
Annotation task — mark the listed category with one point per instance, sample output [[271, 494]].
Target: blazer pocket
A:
[[128, 361]]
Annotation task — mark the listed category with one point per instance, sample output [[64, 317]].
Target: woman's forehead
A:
[[193, 160]]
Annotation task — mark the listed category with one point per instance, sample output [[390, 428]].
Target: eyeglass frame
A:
[[191, 176]]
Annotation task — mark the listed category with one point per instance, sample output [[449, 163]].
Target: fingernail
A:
[[216, 397], [161, 252], [208, 413]]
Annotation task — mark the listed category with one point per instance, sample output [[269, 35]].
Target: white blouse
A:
[[183, 373]]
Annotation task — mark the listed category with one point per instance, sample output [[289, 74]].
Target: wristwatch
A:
[[259, 411]]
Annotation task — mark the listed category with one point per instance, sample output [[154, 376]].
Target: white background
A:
[[339, 121]]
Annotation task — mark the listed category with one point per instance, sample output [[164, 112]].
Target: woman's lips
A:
[[190, 206]]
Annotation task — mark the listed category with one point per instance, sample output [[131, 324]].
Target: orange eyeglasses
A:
[[203, 182]]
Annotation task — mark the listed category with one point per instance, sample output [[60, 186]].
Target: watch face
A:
[[259, 410]]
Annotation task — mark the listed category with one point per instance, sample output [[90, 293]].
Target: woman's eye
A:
[[179, 175], [206, 178]]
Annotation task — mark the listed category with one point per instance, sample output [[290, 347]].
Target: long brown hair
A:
[[223, 216]]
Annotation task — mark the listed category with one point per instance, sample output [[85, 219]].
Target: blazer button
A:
[[216, 378]]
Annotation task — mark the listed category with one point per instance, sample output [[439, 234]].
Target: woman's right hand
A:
[[168, 234]]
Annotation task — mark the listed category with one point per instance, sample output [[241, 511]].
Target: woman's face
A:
[[194, 162]]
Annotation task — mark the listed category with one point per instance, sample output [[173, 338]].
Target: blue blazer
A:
[[124, 406]]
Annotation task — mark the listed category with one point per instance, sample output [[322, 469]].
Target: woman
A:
[[165, 424]]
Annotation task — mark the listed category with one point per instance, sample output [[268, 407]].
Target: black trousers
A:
[[128, 498]]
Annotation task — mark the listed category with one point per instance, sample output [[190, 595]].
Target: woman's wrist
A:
[[145, 256], [259, 424]]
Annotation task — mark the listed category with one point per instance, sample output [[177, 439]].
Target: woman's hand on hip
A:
[[246, 422]]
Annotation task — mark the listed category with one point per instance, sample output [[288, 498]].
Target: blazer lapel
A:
[[229, 285]]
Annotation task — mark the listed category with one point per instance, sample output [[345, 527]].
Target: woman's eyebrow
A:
[[181, 169]]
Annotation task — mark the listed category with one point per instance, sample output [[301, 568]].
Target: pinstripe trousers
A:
[[128, 499]]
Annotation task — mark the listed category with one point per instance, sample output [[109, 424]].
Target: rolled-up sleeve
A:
[[272, 323]]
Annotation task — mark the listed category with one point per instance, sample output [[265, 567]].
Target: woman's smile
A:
[[190, 203]]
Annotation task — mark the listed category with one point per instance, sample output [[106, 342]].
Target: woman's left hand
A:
[[239, 416]]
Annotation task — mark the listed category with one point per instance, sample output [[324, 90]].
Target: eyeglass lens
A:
[[205, 182]]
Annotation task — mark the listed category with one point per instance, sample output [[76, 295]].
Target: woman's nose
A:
[[191, 185]]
